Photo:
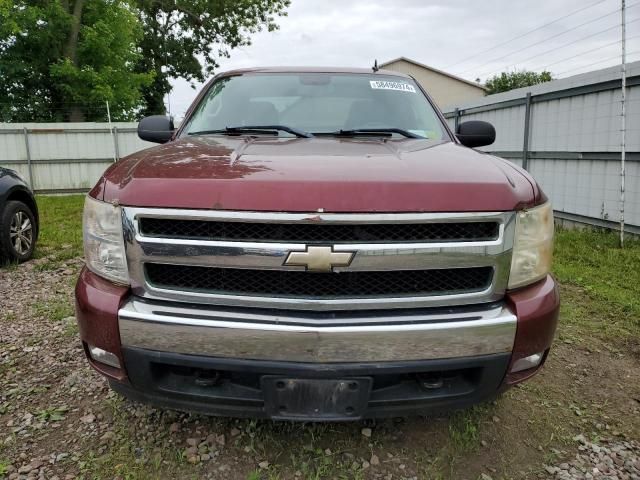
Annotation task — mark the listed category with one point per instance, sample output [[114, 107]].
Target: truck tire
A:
[[18, 231]]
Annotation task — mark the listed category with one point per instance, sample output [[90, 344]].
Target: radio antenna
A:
[[375, 67]]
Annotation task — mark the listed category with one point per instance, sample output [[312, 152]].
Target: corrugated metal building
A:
[[573, 143]]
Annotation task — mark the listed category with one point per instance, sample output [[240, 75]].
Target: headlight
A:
[[532, 246], [103, 243]]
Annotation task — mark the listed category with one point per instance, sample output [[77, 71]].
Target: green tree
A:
[[63, 59], [185, 38], [509, 80]]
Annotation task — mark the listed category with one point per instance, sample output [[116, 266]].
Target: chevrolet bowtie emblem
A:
[[319, 259]]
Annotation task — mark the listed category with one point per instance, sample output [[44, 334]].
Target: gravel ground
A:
[[59, 420], [42, 374], [604, 460]]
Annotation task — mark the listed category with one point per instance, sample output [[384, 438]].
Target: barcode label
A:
[[387, 85]]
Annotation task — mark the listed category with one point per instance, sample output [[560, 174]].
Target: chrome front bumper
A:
[[284, 336]]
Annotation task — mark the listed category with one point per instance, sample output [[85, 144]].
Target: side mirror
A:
[[156, 128], [476, 133]]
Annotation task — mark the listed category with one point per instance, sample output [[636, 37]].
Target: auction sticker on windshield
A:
[[387, 85]]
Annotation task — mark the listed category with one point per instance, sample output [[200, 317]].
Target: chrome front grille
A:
[[318, 285], [310, 233], [238, 258]]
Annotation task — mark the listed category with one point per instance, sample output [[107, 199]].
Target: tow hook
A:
[[430, 381], [207, 378]]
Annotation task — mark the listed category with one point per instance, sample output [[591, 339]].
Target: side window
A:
[[210, 110]]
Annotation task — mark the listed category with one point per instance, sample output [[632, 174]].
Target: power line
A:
[[555, 49], [545, 40], [616, 57], [589, 51], [526, 33], [540, 41]]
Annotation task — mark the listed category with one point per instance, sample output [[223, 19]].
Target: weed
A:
[[4, 468], [54, 309], [9, 317], [88, 463], [464, 427], [54, 414], [315, 464], [180, 456]]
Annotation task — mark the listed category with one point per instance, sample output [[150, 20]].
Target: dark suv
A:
[[18, 218]]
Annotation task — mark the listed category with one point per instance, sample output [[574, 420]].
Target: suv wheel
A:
[[17, 232]]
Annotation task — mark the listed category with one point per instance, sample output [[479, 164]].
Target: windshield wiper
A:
[[255, 129], [374, 132]]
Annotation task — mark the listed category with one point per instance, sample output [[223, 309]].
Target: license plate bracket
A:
[[315, 398]]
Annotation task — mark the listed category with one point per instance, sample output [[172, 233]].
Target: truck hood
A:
[[317, 174]]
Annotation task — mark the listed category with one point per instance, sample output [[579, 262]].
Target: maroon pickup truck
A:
[[316, 244]]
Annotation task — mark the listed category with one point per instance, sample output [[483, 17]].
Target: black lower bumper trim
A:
[[234, 387]]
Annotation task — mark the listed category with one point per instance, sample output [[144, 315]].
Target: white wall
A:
[[444, 89]]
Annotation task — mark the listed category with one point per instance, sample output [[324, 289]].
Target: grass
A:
[[8, 316], [55, 309], [464, 427], [600, 284], [60, 228]]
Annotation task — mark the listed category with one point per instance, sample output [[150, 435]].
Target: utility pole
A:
[[115, 159], [623, 130]]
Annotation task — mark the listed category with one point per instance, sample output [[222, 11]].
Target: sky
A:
[[472, 39]]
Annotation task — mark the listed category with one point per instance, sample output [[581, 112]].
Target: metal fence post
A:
[[527, 126], [623, 118], [116, 147], [26, 144], [456, 120]]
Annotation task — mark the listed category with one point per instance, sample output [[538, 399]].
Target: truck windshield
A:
[[318, 104]]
